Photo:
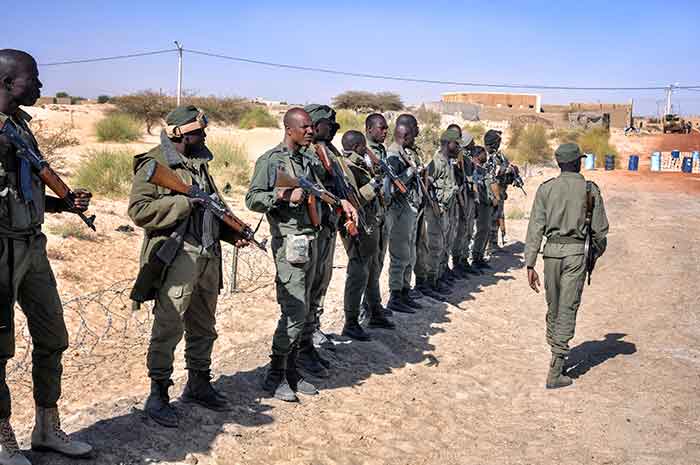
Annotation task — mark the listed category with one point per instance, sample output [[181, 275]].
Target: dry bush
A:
[[118, 127], [349, 120], [427, 117], [55, 254], [51, 140], [107, 172], [597, 141], [258, 117], [72, 275], [533, 146], [368, 101], [73, 229], [230, 164], [477, 130], [428, 141], [566, 136], [515, 213]]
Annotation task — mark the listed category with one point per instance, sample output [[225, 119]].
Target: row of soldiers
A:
[[435, 219]]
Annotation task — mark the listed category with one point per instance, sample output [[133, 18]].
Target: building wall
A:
[[531, 102]]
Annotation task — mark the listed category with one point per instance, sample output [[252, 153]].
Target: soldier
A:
[[325, 128], [402, 219], [439, 225], [186, 288], [558, 213], [362, 272], [295, 247], [465, 226], [484, 207], [376, 129], [25, 272], [498, 166]]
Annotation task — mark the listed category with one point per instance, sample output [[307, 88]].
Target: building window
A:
[[510, 105], [531, 107]]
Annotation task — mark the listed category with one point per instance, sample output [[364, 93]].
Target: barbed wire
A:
[[104, 326]]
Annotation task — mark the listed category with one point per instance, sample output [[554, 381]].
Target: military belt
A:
[[565, 240]]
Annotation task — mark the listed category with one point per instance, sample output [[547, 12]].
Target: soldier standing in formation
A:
[[558, 213], [498, 166], [25, 273], [485, 201]]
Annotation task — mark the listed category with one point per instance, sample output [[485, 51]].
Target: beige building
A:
[[519, 102]]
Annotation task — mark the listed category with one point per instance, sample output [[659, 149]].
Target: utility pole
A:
[[669, 93], [179, 72]]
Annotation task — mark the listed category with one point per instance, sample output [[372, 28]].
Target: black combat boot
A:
[[469, 269], [295, 380], [556, 377], [378, 319], [158, 406], [276, 380], [449, 276], [426, 288], [396, 304], [199, 390], [441, 287], [461, 271], [409, 301], [353, 330], [309, 361]]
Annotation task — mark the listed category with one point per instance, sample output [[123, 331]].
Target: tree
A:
[[367, 101], [148, 106]]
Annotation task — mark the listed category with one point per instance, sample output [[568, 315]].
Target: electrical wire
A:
[[111, 58]]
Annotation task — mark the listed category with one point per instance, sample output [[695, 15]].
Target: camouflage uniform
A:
[[497, 165], [484, 209]]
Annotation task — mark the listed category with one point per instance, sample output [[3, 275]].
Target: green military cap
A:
[[184, 119], [467, 139], [568, 152], [492, 137], [318, 112], [450, 135]]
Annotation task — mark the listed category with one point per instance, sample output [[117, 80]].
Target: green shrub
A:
[[428, 141], [73, 229], [349, 120], [477, 130], [118, 127], [514, 213], [368, 101], [258, 117], [566, 136], [230, 164], [103, 99], [62, 95], [597, 141], [427, 117], [107, 172], [533, 146]]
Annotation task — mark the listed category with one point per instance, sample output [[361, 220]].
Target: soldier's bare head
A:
[[298, 129], [19, 80], [404, 135], [410, 120], [354, 141], [376, 127]]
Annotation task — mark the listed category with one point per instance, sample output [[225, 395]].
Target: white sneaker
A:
[[9, 449], [48, 435]]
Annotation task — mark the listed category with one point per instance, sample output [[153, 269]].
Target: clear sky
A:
[[579, 43]]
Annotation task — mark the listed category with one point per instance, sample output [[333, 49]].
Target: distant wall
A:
[[527, 102]]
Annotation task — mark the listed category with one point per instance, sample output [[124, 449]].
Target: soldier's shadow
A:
[[590, 354]]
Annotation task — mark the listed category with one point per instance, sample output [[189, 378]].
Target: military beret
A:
[[568, 152], [467, 139], [449, 135], [184, 119], [492, 136], [319, 112]]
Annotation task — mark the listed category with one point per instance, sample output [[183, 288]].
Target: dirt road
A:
[[454, 384]]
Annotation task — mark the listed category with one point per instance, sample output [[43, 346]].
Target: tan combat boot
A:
[[556, 377], [9, 449], [48, 435]]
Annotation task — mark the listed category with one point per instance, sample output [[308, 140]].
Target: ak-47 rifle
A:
[[342, 187], [313, 192], [517, 180], [589, 251], [163, 176], [47, 175], [389, 172]]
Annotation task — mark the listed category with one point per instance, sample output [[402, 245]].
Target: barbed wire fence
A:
[[104, 326]]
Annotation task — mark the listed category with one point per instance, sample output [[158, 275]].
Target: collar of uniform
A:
[[569, 174], [375, 145], [21, 114], [395, 147], [174, 158]]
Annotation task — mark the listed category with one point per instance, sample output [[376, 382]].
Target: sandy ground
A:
[[457, 383]]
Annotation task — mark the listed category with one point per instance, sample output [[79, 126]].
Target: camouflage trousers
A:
[[483, 227], [185, 305], [464, 232], [26, 277], [563, 282], [431, 245]]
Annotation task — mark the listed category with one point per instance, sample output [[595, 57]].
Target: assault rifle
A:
[[517, 181], [47, 175], [590, 253], [163, 176], [313, 191], [389, 172]]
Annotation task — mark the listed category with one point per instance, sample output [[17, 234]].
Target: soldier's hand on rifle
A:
[[533, 279], [196, 202], [376, 182], [349, 210], [240, 243], [297, 196], [82, 199]]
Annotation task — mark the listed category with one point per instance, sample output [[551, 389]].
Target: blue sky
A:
[[580, 43]]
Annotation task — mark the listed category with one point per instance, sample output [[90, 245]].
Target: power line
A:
[[422, 81], [111, 58]]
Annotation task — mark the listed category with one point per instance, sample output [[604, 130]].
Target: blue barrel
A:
[[633, 164], [589, 162], [687, 165], [656, 161], [675, 154], [609, 162]]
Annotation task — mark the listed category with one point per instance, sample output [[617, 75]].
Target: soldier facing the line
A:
[[558, 213]]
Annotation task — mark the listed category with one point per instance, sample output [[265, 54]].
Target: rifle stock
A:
[[400, 186], [163, 176]]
